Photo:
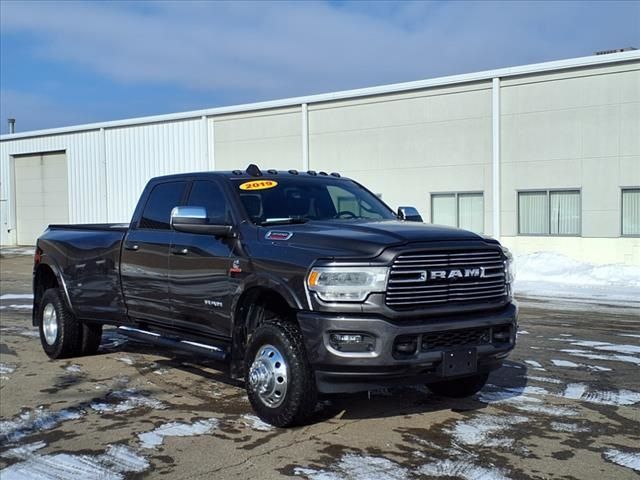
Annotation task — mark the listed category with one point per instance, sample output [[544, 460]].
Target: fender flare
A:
[[260, 280], [271, 282], [57, 272]]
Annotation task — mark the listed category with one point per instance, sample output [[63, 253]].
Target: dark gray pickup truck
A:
[[303, 283]]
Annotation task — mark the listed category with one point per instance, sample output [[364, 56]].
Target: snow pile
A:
[[546, 274], [156, 437]]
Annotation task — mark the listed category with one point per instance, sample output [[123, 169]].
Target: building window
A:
[[631, 211], [549, 212], [463, 210]]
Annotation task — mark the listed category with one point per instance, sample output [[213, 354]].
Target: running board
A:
[[210, 351]]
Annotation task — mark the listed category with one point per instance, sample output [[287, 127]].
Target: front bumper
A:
[[388, 360]]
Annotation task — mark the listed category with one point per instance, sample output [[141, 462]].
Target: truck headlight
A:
[[347, 284], [509, 269]]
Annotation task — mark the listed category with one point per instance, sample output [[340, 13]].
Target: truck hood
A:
[[363, 238]]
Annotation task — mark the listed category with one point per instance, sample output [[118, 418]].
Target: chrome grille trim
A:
[[408, 289]]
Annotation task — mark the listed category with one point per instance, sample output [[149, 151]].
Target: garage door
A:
[[42, 195]]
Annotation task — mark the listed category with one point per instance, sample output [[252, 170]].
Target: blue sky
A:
[[64, 63]]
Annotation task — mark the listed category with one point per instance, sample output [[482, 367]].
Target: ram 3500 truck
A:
[[304, 283]]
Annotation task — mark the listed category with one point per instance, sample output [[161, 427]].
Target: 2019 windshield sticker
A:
[[258, 185]]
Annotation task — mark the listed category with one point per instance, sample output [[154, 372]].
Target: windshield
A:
[[291, 199]]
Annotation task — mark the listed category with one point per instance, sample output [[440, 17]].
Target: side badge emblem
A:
[[235, 267], [277, 235]]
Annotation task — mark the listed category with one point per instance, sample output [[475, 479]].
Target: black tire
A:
[[68, 335], [300, 398], [460, 387], [91, 337]]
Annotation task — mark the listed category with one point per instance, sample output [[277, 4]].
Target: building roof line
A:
[[555, 65]]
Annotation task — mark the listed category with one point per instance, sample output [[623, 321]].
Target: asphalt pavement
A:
[[565, 405]]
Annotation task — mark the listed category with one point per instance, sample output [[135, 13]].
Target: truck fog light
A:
[[352, 342]]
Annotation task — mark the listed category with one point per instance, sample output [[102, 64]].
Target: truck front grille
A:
[[427, 278]]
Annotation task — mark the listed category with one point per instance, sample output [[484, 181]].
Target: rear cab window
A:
[[162, 199]]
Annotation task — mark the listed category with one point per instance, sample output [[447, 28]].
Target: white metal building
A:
[[546, 157]]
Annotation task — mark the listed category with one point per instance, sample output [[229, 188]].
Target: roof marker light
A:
[[254, 171]]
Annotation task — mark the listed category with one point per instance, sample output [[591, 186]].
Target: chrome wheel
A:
[[268, 376], [50, 324]]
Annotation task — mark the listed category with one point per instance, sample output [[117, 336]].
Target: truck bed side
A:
[[86, 262]]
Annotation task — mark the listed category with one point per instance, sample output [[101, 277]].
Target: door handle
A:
[[180, 251], [132, 246]]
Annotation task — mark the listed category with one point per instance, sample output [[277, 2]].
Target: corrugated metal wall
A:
[[85, 164], [136, 154], [109, 168]]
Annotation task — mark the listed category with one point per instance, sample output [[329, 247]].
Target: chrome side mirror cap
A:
[[191, 219], [409, 214]]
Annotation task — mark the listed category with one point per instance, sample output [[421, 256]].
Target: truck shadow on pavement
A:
[[504, 384]]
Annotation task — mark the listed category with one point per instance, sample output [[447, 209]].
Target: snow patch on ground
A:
[[35, 421], [73, 368], [544, 379], [256, 423], [155, 437], [625, 459], [21, 307], [547, 274], [6, 369], [23, 452], [462, 468], [16, 296], [117, 461], [534, 364], [358, 467], [580, 391], [564, 363], [568, 427], [125, 400], [597, 356], [486, 430], [605, 346], [629, 335], [17, 250]]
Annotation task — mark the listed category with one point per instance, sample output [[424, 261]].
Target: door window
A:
[[164, 197], [210, 196]]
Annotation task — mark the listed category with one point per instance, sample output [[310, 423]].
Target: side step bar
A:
[[210, 351]]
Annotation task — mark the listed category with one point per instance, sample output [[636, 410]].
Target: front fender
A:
[[271, 282]]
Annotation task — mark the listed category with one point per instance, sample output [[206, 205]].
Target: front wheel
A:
[[460, 387], [279, 379]]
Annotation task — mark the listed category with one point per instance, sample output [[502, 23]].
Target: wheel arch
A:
[[254, 306], [47, 275]]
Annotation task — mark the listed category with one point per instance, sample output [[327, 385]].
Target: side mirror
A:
[[410, 214], [195, 220]]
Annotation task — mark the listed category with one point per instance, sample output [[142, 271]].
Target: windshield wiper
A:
[[284, 221]]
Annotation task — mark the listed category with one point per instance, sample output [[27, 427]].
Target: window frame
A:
[[456, 195], [548, 192], [622, 190]]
